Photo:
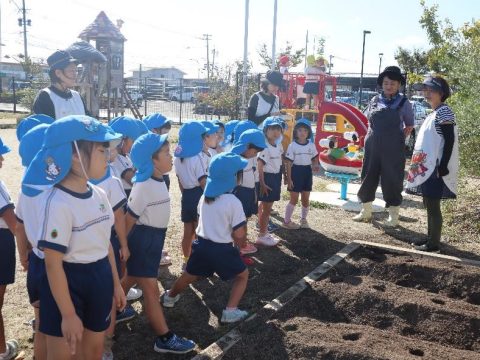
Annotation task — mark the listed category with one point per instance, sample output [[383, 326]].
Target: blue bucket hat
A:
[[241, 127], [31, 143], [190, 141], [229, 127], [141, 154], [219, 123], [128, 127], [222, 173], [30, 122], [252, 136], [156, 120], [273, 121], [210, 126], [53, 162], [4, 148]]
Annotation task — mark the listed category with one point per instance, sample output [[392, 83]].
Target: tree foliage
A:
[[296, 56]]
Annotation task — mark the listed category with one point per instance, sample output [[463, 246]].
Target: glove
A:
[[443, 170]]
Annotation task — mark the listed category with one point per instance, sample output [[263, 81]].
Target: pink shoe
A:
[[248, 249]]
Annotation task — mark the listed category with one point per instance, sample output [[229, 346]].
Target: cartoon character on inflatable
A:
[[347, 160]]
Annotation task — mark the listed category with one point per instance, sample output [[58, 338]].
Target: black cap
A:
[[393, 73], [275, 77], [60, 59]]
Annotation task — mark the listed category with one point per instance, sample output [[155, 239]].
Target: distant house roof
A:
[[166, 69], [102, 27]]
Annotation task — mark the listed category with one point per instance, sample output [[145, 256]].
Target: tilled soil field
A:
[[375, 305]]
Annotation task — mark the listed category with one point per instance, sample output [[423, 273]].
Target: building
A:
[[10, 70], [168, 73]]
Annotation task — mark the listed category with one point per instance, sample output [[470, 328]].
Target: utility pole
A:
[[306, 50], [213, 60], [206, 37], [365, 32], [24, 22], [245, 60], [274, 33], [330, 65]]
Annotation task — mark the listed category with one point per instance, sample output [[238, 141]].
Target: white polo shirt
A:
[[30, 212], [121, 164], [301, 154], [149, 203], [272, 158], [206, 158], [114, 190], [220, 218], [191, 170], [5, 203], [248, 178], [77, 225]]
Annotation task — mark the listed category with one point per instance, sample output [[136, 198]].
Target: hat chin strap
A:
[[81, 162]]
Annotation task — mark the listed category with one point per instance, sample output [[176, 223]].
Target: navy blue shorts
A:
[[302, 178], [209, 257], [166, 178], [145, 244], [274, 181], [91, 289], [190, 199], [35, 274], [311, 88], [7, 257], [248, 198], [116, 251]]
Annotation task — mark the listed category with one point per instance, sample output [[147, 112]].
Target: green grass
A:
[[319, 205]]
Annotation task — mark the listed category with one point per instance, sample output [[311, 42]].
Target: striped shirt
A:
[[443, 115]]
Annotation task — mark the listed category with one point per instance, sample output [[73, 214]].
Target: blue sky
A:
[[168, 33]]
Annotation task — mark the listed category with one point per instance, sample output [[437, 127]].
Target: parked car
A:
[[420, 113], [182, 94]]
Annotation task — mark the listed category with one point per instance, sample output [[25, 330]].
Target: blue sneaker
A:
[[127, 314], [175, 345]]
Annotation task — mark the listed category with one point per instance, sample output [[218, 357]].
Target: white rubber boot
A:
[[365, 214], [393, 215]]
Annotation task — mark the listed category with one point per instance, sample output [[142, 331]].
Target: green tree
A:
[[296, 56]]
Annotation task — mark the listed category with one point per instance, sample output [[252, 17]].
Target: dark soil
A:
[[374, 305]]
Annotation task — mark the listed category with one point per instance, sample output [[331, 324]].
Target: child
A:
[[210, 141], [29, 222], [30, 122], [312, 77], [191, 173], [131, 129], [158, 124], [221, 221], [248, 145], [270, 174], [220, 136], [9, 349], [228, 135], [147, 220], [76, 299], [301, 157]]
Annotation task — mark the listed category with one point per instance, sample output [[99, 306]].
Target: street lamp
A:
[[365, 32], [380, 55], [330, 65]]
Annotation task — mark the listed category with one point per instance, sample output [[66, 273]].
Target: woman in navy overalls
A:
[[390, 120]]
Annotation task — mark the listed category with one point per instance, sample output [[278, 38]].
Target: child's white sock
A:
[[304, 213], [288, 213]]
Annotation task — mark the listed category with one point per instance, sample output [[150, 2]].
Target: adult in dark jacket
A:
[[265, 103], [390, 120], [59, 100]]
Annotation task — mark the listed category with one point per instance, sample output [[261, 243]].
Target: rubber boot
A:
[[365, 214], [393, 215]]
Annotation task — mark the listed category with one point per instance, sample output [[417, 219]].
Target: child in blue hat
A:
[[8, 349], [301, 157], [131, 129], [270, 162], [29, 223], [228, 134], [221, 222], [192, 171], [76, 224], [220, 136], [148, 214], [30, 122], [248, 145]]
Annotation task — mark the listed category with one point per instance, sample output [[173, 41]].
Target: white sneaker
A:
[[231, 316], [268, 240], [134, 294], [304, 224], [290, 225], [168, 301], [165, 260], [12, 350]]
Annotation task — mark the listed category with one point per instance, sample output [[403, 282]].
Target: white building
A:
[[169, 73]]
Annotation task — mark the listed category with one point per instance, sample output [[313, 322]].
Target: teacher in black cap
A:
[[265, 103], [390, 120], [59, 100]]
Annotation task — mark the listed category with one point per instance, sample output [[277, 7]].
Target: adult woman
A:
[[433, 172], [59, 100], [265, 103], [390, 119]]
